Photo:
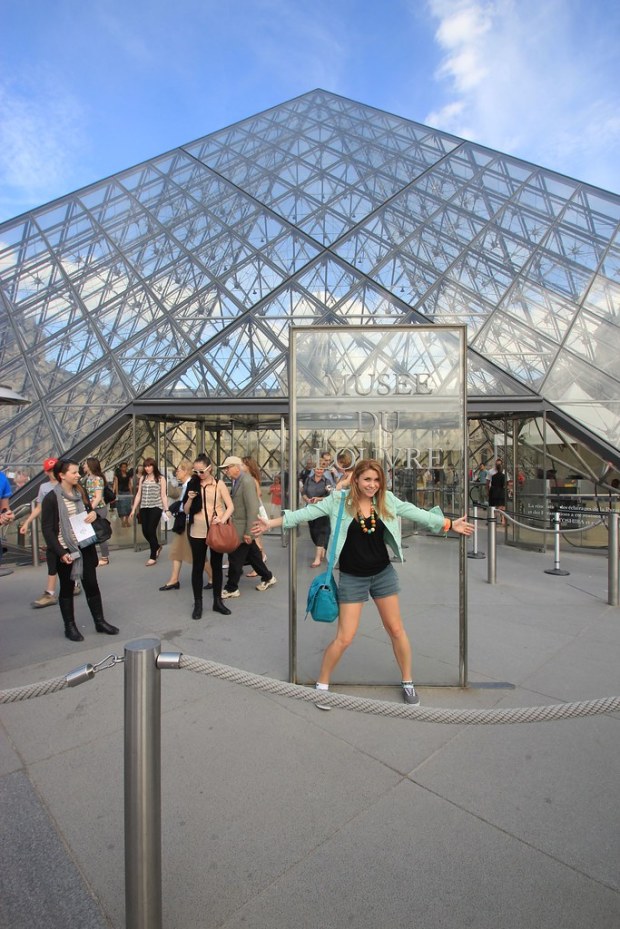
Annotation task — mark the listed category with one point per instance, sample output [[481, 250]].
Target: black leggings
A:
[[199, 556], [89, 574], [149, 520]]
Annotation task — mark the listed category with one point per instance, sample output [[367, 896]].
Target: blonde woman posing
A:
[[370, 522]]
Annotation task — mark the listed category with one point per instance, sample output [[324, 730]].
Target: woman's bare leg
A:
[[175, 573], [389, 611], [348, 621]]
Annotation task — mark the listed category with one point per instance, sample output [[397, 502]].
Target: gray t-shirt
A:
[[44, 489]]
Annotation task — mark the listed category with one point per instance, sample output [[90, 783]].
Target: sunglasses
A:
[[199, 471]]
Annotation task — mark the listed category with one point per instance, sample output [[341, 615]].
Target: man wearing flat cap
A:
[[245, 499]]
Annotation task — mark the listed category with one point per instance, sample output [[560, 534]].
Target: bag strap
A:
[[217, 487], [332, 553]]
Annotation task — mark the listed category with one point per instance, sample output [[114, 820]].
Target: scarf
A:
[[66, 529]]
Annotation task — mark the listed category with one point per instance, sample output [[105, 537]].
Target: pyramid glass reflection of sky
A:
[[181, 277]]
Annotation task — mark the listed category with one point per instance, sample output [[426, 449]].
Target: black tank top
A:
[[364, 554]]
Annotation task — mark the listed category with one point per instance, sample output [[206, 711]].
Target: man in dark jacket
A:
[[245, 499]]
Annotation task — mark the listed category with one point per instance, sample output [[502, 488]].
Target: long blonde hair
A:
[[353, 500]]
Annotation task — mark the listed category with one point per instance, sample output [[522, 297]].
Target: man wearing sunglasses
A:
[[245, 498]]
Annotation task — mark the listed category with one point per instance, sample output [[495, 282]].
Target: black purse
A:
[[102, 528], [109, 497]]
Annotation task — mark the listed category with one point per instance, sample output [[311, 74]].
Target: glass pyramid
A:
[[180, 278]]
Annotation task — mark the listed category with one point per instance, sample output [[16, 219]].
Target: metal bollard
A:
[[474, 552], [612, 560], [143, 893], [556, 549], [492, 535]]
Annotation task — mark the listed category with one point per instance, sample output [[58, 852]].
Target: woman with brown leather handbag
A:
[[206, 501]]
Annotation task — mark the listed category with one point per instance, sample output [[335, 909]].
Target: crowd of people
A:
[[76, 498]]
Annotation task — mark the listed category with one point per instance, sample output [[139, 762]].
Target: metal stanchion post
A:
[[556, 548], [612, 563], [491, 564], [143, 894], [475, 553], [34, 537]]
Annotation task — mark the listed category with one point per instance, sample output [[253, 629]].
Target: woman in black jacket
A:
[[73, 563]]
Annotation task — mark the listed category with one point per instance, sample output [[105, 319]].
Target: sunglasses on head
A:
[[200, 470]]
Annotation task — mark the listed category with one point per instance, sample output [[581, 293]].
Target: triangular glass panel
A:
[[27, 436], [519, 350]]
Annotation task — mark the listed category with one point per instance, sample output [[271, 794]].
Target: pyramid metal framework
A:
[[179, 278]]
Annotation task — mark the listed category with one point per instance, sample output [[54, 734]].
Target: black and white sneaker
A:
[[409, 694]]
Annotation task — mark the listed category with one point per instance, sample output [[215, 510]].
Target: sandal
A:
[[150, 563], [103, 562], [251, 574], [315, 564]]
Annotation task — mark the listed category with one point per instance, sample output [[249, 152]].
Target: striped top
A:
[[72, 510], [151, 495]]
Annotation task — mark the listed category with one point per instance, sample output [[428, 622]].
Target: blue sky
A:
[[90, 88]]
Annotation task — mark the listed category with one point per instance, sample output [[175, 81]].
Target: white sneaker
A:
[[322, 706], [265, 585], [228, 594]]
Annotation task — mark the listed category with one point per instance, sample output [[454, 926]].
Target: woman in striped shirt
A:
[[152, 500]]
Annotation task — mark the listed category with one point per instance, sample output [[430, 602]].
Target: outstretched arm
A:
[[263, 525], [461, 526]]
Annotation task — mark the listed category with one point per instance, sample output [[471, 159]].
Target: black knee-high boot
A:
[[96, 608], [68, 617]]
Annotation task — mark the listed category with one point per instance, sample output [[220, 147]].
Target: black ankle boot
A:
[[96, 608], [197, 614], [218, 606], [68, 617]]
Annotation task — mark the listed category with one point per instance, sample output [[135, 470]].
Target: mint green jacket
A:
[[329, 506]]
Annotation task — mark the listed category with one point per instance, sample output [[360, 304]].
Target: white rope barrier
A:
[[55, 684], [28, 691], [396, 710], [329, 699]]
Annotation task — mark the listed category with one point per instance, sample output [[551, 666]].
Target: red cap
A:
[[49, 464]]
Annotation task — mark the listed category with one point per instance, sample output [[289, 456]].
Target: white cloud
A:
[[41, 139], [521, 77]]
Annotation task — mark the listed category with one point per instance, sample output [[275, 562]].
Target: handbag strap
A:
[[217, 486], [332, 553]]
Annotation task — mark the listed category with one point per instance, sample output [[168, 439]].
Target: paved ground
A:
[[278, 815]]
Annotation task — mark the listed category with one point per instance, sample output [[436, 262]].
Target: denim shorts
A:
[[352, 589]]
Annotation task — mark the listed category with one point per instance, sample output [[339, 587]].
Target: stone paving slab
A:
[[276, 814]]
